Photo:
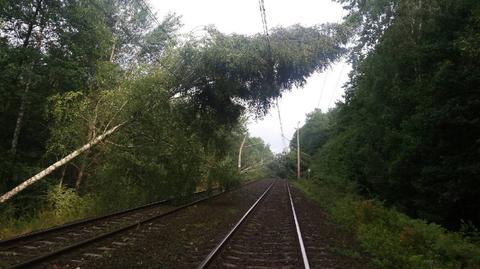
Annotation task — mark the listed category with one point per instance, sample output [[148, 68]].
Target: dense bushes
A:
[[390, 238], [61, 204]]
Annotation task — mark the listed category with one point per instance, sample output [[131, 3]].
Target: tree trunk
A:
[[240, 154], [58, 164], [254, 166], [91, 134], [26, 42], [112, 53], [64, 170], [21, 115], [298, 151], [81, 171], [23, 102]]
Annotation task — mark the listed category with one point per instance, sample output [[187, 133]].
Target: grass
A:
[[390, 238], [64, 205]]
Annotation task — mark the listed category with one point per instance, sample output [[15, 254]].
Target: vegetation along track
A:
[[267, 236], [31, 249]]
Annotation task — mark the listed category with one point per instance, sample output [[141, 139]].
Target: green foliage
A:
[[256, 156], [390, 238], [407, 133], [315, 133], [284, 165], [225, 173], [61, 205], [55, 56], [65, 203], [225, 73]]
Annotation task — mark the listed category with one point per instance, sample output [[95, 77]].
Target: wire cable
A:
[[263, 15], [281, 125], [322, 89], [337, 84], [149, 11]]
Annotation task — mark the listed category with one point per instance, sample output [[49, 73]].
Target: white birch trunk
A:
[[56, 165], [21, 114], [254, 166], [240, 154]]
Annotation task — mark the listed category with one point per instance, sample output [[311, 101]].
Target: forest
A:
[[104, 107]]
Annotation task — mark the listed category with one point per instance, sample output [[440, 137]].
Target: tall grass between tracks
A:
[[392, 239]]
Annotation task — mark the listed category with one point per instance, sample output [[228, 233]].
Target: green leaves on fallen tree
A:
[[228, 74]]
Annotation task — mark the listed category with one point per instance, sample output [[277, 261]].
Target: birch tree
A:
[[58, 164]]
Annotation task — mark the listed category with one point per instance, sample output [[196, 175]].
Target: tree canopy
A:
[[128, 109]]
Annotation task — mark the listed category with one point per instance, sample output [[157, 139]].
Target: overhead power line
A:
[[263, 15], [336, 84], [281, 125], [339, 76], [322, 89]]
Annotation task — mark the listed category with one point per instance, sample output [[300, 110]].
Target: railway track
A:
[[35, 248], [267, 236]]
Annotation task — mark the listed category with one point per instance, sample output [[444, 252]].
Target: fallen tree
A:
[[217, 78], [8, 195]]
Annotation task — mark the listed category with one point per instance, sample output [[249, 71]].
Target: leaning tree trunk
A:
[[58, 164]]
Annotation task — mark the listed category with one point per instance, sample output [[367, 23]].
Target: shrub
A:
[[65, 203], [392, 239]]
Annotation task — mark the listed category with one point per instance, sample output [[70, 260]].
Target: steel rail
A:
[[299, 233], [74, 223], [215, 251], [58, 252]]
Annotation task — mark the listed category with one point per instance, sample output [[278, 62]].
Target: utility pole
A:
[[240, 154], [298, 150]]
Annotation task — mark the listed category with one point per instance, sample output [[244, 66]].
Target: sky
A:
[[322, 90]]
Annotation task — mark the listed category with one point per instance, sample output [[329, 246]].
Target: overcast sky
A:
[[243, 17]]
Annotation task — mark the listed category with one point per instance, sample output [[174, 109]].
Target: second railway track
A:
[[34, 248]]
